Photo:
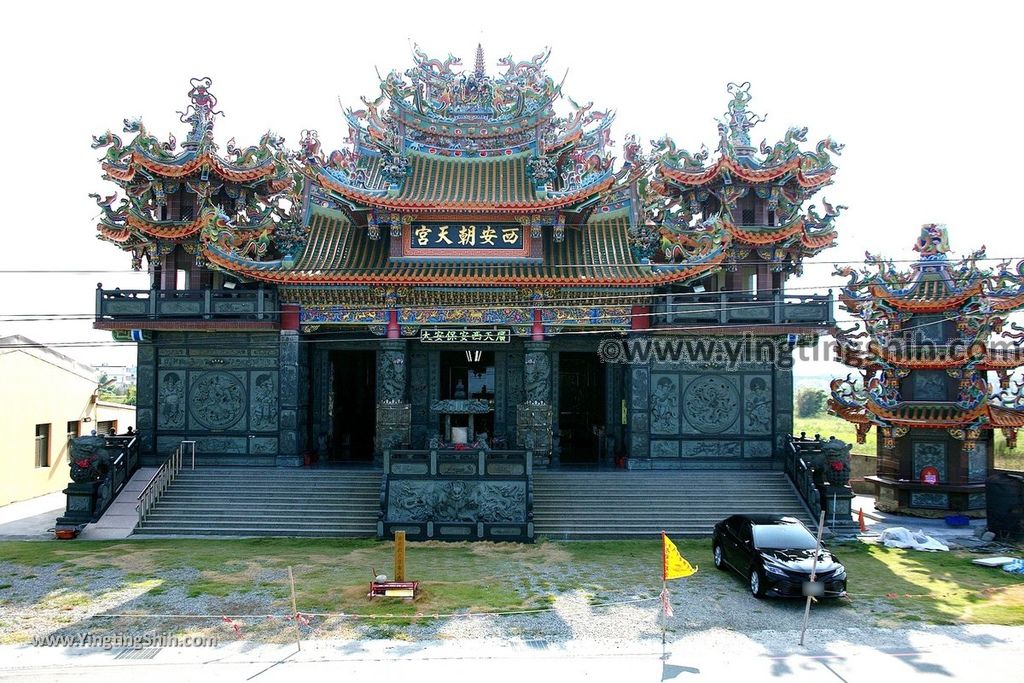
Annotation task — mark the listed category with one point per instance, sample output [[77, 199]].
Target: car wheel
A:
[[717, 553], [756, 583]]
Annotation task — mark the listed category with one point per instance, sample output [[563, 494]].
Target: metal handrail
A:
[[192, 447], [801, 473], [158, 484]]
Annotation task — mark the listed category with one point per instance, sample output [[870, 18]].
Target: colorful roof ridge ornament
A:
[[755, 195], [169, 195], [938, 315]]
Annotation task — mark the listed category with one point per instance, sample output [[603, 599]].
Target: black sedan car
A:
[[775, 555]]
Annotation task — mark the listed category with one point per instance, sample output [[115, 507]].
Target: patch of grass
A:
[[332, 576], [939, 588], [830, 425]]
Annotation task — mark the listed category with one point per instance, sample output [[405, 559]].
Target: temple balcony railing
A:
[[125, 305], [742, 308]]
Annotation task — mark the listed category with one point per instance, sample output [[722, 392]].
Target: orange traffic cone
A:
[[860, 521]]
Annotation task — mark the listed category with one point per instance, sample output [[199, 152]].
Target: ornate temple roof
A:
[[439, 138], [445, 145], [339, 253], [437, 183], [688, 190], [969, 303], [933, 284]]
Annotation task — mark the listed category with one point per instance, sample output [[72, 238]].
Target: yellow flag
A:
[[673, 564]]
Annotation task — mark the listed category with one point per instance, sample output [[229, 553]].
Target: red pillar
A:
[[290, 316], [394, 331], [640, 318], [537, 331]]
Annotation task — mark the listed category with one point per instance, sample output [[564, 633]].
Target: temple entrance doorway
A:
[[354, 406], [467, 375], [581, 397]]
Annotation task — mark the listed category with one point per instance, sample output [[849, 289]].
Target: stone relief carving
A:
[[929, 454], [929, 385], [391, 371], [171, 411], [665, 405], [456, 501], [217, 400], [537, 378], [757, 406], [711, 404], [263, 407], [711, 449]]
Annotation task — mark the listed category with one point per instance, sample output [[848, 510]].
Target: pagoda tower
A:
[[751, 197], [927, 339]]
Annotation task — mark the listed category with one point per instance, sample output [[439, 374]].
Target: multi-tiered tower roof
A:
[[931, 335], [751, 198]]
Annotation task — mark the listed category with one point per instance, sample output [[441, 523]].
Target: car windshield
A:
[[783, 537]]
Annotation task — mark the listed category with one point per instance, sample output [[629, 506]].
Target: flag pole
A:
[[664, 593], [814, 571]]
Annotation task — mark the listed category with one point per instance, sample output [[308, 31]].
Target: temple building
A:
[[927, 341], [467, 268]]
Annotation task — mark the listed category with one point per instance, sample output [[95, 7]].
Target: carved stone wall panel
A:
[[412, 500], [171, 408], [783, 387], [221, 445], [289, 348], [929, 385], [977, 462], [938, 501], [664, 449], [638, 445], [537, 372], [665, 401], [929, 454], [391, 371], [217, 401], [263, 445], [289, 386], [757, 404], [263, 401], [289, 418], [757, 449], [289, 442], [711, 404], [708, 448], [144, 384], [640, 389]]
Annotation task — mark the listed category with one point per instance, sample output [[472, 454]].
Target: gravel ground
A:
[[71, 603]]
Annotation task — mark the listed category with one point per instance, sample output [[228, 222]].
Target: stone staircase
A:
[[630, 504], [242, 501]]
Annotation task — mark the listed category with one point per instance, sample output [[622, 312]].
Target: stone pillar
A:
[[783, 401], [145, 402], [393, 412], [534, 416], [288, 452]]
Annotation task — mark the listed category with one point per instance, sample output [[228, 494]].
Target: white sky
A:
[[924, 95]]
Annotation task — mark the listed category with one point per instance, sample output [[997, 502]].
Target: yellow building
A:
[[47, 398]]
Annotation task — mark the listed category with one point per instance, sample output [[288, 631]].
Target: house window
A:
[[73, 431], [106, 427], [43, 445]]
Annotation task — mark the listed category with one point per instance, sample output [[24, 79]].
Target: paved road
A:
[[985, 653]]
